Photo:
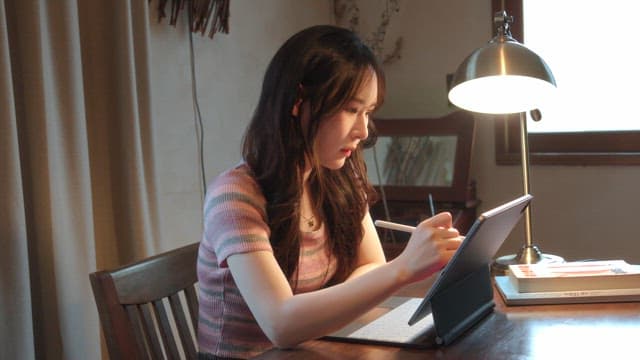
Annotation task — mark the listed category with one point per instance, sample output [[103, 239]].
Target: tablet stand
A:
[[462, 305]]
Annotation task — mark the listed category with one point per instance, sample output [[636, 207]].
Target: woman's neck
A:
[[306, 173]]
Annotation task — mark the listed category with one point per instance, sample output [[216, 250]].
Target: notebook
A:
[[461, 295]]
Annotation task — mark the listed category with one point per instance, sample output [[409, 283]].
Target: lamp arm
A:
[[529, 253], [524, 137]]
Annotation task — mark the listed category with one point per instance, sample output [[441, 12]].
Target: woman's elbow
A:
[[282, 338], [285, 346], [285, 329]]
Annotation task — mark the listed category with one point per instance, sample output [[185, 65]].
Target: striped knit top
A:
[[235, 222]]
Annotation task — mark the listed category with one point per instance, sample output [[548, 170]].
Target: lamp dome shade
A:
[[502, 77]]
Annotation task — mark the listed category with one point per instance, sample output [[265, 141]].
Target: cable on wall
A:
[[196, 109]]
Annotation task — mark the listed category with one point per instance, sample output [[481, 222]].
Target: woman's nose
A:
[[361, 129]]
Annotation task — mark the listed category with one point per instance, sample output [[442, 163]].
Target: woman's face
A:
[[339, 135]]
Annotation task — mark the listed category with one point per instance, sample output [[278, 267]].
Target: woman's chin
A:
[[334, 165]]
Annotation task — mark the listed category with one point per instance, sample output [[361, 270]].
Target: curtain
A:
[[77, 191]]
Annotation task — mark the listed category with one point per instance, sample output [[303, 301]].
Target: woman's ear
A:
[[295, 111]]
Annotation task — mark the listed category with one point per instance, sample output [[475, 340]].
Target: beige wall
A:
[[229, 72], [578, 212]]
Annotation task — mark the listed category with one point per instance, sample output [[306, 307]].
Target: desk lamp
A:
[[505, 77]]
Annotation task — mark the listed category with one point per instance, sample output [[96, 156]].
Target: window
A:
[[586, 144]]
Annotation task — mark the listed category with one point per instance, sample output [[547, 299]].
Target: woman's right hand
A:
[[430, 247]]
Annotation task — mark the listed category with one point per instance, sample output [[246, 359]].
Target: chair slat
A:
[[149, 332], [192, 303], [137, 329], [166, 332], [182, 326]]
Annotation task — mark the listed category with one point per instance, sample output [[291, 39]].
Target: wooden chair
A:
[[132, 303]]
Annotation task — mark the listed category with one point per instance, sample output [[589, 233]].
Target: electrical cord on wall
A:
[[196, 106]]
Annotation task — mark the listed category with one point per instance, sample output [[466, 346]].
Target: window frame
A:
[[566, 148]]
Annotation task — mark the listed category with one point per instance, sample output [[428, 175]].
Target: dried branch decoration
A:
[[347, 12], [203, 14]]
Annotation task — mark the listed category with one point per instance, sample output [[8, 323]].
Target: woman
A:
[[289, 251]]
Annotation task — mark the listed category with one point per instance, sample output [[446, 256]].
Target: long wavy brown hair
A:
[[324, 66]]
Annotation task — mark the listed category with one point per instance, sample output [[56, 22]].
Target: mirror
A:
[[422, 156], [412, 160]]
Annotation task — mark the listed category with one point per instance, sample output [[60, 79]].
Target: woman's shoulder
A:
[[238, 173], [238, 179]]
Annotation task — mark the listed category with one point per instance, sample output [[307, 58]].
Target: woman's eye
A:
[[352, 110]]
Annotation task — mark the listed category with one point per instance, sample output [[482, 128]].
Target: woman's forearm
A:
[[310, 315]]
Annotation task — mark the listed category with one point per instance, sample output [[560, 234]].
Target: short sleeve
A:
[[235, 219]]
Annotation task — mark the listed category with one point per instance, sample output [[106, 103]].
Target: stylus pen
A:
[[394, 226], [431, 206]]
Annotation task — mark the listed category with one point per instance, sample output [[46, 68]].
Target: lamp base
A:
[[526, 255]]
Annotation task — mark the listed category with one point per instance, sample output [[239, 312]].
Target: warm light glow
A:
[[504, 94]]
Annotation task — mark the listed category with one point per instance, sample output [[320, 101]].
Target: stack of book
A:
[[570, 282]]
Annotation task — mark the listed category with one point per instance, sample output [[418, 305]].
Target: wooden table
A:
[[580, 331]]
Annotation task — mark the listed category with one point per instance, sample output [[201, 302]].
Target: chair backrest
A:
[[143, 305]]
